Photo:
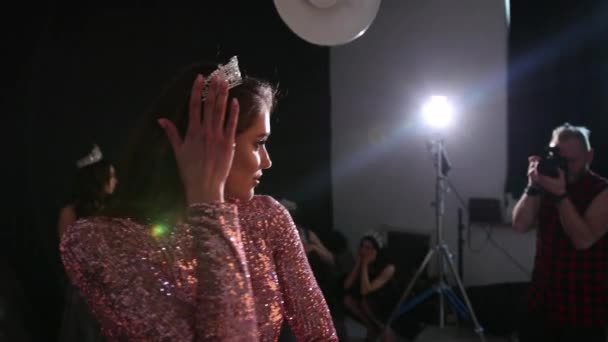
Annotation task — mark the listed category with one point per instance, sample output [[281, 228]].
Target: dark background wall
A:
[[558, 72]]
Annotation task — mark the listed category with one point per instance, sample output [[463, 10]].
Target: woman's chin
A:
[[248, 196], [242, 195]]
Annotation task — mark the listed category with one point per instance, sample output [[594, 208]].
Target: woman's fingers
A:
[[219, 113], [172, 134], [194, 108], [209, 106], [233, 119]]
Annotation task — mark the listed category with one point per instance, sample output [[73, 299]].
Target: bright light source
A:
[[438, 111]]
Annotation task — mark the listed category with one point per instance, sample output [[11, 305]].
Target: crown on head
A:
[[93, 157], [377, 236], [228, 72]]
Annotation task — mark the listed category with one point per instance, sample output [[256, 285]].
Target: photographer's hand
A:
[[533, 170], [554, 186], [525, 212]]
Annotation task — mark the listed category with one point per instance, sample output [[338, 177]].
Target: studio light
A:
[[438, 112]]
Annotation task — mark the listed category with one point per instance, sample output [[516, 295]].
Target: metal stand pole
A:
[[441, 288]]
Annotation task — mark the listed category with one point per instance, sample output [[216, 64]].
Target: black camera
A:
[[551, 162]]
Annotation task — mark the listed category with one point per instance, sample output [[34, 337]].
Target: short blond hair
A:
[[568, 131]]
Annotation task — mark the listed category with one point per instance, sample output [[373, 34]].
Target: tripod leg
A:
[[415, 301], [409, 288], [478, 328], [458, 305]]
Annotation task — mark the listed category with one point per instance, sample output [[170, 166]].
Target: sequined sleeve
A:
[[126, 275], [225, 304], [305, 306]]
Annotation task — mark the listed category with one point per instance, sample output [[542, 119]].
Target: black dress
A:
[[380, 301], [78, 323]]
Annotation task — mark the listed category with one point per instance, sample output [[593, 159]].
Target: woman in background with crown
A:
[[369, 286], [94, 183], [188, 252]]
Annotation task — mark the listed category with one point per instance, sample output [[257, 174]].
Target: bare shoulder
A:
[[68, 213], [602, 197], [67, 216], [599, 206]]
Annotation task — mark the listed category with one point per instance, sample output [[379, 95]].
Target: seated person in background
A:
[[324, 262], [320, 258], [314, 247], [370, 291]]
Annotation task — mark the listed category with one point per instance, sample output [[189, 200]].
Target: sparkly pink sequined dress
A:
[[232, 272]]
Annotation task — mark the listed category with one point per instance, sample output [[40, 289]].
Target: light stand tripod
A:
[[441, 288]]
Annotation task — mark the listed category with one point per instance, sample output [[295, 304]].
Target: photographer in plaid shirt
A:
[[568, 296]]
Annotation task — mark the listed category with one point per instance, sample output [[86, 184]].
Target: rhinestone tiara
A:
[[93, 157], [229, 72]]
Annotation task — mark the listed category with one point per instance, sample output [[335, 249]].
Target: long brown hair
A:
[[152, 189], [88, 193]]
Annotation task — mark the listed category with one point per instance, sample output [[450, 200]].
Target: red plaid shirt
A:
[[570, 287]]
